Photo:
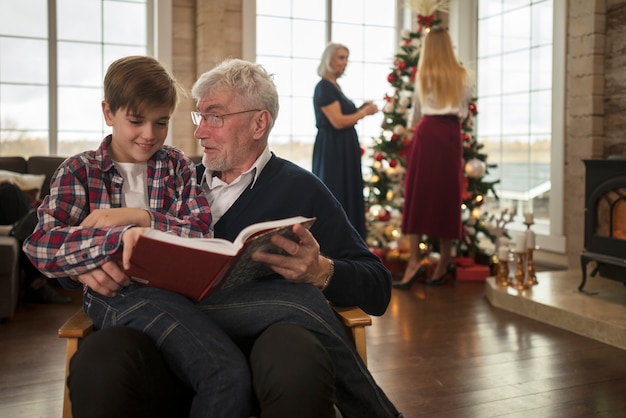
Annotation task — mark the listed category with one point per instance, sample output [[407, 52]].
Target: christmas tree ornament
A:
[[475, 168]]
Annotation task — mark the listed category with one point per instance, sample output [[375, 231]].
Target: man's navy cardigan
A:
[[283, 190]]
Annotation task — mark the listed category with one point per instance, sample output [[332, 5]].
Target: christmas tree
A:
[[384, 185]]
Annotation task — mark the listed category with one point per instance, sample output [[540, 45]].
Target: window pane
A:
[[308, 37], [515, 113], [281, 68], [541, 68], [16, 66], [489, 8], [302, 116], [376, 43], [516, 72], [490, 121], [113, 52], [378, 12], [274, 7], [352, 11], [516, 30], [352, 37], [490, 37], [305, 85], [489, 77], [515, 117], [283, 122], [309, 9], [71, 143], [273, 36], [24, 108], [24, 18], [541, 113], [124, 22], [542, 23], [80, 109], [80, 64], [79, 20]]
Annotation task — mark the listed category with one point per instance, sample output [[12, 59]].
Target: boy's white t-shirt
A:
[[135, 188]]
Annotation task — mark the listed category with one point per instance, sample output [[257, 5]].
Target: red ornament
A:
[[384, 215], [395, 137], [378, 156], [362, 151], [393, 163], [413, 72], [391, 78], [401, 65], [466, 137]]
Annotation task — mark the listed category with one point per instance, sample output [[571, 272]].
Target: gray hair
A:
[[324, 68], [250, 83]]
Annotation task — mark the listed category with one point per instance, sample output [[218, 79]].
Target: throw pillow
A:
[[29, 183]]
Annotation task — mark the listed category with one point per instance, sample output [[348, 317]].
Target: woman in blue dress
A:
[[337, 152]]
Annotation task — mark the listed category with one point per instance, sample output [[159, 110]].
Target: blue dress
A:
[[337, 155]]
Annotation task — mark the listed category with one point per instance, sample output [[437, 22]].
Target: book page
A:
[[253, 229], [216, 245]]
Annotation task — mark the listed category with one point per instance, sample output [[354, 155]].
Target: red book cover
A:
[[195, 267]]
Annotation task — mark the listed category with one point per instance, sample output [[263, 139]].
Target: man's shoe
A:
[[45, 294]]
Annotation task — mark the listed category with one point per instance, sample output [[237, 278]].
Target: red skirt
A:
[[434, 179]]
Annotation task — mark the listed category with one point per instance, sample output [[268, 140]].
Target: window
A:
[[51, 73], [290, 38], [515, 90]]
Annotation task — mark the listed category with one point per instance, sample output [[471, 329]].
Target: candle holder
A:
[[502, 278], [520, 274], [530, 269]]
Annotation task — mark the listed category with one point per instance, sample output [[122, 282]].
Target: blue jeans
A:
[[194, 347], [246, 310], [200, 348]]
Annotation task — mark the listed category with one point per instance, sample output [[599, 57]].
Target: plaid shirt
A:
[[60, 247]]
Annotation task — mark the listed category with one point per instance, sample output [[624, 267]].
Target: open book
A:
[[195, 267]]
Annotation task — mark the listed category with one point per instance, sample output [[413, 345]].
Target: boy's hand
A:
[[129, 239], [102, 218], [106, 280]]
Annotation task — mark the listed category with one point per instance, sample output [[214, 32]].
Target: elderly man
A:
[[301, 361]]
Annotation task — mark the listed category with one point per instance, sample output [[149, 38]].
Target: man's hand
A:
[[106, 280], [303, 264], [102, 218]]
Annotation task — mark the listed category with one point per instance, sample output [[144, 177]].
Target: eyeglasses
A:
[[213, 120]]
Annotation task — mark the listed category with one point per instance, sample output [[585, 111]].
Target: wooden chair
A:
[[79, 326]]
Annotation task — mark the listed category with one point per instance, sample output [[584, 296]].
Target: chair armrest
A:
[[355, 321], [78, 325]]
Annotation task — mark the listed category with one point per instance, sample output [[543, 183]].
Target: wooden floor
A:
[[437, 352]]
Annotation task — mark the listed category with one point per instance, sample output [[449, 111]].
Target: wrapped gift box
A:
[[468, 270]]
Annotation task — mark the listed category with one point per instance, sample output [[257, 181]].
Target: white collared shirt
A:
[[222, 195]]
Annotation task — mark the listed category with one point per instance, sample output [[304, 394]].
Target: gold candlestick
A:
[[502, 277], [520, 275], [530, 268]]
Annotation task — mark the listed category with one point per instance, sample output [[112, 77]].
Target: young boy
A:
[[101, 201]]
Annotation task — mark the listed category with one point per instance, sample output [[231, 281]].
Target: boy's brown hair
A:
[[135, 82]]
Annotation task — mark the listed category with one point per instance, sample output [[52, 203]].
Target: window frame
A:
[[464, 33]]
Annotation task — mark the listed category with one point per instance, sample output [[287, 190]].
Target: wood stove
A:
[[605, 218]]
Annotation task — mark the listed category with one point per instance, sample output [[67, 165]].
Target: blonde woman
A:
[[434, 179]]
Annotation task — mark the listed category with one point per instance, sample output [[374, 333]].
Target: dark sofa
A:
[[9, 248]]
